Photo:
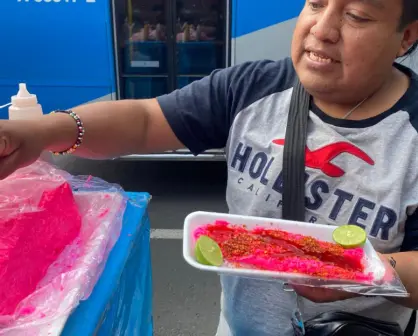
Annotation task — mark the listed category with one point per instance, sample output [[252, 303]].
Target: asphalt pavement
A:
[[186, 301]]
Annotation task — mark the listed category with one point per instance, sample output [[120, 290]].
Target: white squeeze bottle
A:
[[24, 105]]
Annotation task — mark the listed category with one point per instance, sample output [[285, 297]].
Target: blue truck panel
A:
[[62, 49]]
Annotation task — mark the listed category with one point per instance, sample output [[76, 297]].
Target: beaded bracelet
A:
[[80, 129], [392, 262]]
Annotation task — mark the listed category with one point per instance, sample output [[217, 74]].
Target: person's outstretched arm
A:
[[198, 117], [113, 128]]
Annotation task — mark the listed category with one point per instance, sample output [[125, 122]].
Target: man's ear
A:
[[410, 36]]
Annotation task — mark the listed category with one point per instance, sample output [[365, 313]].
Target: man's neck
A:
[[375, 103]]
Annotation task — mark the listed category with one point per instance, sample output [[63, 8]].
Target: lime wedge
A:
[[208, 252], [349, 236]]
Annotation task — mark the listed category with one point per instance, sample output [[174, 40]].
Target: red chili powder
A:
[[278, 250]]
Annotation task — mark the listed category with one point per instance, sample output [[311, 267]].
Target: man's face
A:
[[342, 49]]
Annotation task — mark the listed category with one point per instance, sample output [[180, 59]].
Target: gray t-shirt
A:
[[359, 172]]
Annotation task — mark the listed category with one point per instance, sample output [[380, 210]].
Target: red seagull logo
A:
[[321, 158]]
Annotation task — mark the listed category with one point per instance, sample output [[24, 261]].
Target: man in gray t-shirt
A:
[[361, 170], [361, 153]]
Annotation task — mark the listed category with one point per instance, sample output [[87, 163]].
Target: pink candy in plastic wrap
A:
[[56, 232], [32, 241]]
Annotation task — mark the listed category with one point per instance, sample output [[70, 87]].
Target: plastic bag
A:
[[292, 252], [67, 225]]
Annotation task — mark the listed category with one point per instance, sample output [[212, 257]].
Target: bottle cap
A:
[[24, 98]]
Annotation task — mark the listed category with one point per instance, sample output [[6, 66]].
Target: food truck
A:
[[72, 52]]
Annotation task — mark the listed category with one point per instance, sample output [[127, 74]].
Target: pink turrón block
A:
[[32, 241]]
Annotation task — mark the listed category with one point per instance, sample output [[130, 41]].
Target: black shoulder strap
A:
[[294, 155]]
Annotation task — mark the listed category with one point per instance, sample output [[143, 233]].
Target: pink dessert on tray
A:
[[277, 250]]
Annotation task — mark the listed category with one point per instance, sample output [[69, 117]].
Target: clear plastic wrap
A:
[[293, 252], [84, 211]]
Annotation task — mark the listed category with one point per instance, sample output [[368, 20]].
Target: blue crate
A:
[[122, 298], [146, 58], [197, 57], [145, 87]]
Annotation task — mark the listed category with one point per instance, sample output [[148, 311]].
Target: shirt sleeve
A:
[[410, 242], [201, 114]]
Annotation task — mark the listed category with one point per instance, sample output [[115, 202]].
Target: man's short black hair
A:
[[409, 15]]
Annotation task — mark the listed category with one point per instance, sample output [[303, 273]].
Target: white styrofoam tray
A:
[[322, 232]]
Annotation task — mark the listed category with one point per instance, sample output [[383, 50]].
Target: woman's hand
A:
[[322, 295]]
